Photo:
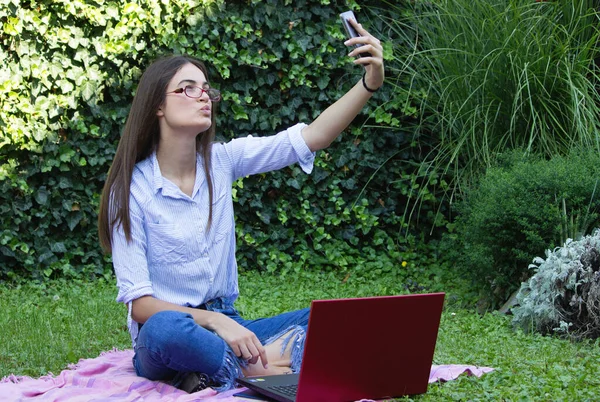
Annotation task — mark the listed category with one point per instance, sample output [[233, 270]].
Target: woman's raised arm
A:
[[321, 132]]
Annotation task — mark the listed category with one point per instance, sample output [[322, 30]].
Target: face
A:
[[180, 113]]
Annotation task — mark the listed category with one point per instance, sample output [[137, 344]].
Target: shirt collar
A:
[[200, 175], [157, 179], [168, 189]]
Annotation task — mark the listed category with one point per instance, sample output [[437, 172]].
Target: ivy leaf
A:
[[88, 90], [58, 247], [65, 182], [238, 112], [350, 184], [73, 219], [323, 81], [12, 27], [47, 255], [66, 153], [41, 195], [67, 204], [293, 183], [320, 174]]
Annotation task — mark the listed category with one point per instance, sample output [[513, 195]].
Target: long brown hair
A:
[[139, 140]]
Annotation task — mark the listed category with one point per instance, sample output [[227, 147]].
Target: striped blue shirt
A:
[[171, 256]]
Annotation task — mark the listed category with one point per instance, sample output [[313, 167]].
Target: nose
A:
[[203, 96]]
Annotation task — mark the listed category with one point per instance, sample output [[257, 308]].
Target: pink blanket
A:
[[110, 377]]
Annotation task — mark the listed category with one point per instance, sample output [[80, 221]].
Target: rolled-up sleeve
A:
[[129, 259], [306, 158], [252, 155]]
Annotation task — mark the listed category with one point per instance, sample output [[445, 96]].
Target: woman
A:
[[166, 216]]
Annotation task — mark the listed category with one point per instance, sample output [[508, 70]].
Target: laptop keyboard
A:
[[289, 390]]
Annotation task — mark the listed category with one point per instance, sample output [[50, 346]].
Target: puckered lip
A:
[[207, 107]]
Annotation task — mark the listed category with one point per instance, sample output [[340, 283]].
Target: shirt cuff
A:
[[306, 158], [135, 292]]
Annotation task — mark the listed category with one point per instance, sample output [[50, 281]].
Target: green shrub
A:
[[563, 296], [519, 209]]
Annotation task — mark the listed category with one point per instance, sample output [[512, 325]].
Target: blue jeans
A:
[[171, 344]]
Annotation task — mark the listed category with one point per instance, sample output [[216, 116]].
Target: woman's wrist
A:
[[207, 319], [364, 82]]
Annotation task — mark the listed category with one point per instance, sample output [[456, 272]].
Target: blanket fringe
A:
[[113, 350], [14, 379]]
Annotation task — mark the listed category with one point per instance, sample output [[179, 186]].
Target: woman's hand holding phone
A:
[[367, 50]]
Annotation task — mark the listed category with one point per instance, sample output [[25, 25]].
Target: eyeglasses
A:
[[192, 91]]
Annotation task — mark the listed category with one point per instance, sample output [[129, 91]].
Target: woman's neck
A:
[[177, 162]]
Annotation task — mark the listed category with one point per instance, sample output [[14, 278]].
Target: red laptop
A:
[[364, 348]]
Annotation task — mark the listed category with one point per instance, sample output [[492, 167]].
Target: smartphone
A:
[[350, 31]]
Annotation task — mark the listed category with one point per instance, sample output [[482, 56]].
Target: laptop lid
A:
[[374, 347]]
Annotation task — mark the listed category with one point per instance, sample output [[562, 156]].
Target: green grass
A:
[[45, 328]]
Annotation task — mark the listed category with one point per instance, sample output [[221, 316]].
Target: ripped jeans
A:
[[170, 344]]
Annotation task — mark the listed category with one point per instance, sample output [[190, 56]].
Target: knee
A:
[[304, 316], [168, 318], [164, 326]]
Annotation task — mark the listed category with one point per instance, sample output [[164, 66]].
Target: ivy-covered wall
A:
[[68, 74]]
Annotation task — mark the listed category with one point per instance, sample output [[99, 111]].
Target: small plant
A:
[[564, 294]]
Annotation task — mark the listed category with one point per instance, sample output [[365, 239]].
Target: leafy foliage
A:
[[518, 209], [563, 296], [70, 71]]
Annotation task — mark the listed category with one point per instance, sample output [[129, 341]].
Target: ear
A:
[[160, 112]]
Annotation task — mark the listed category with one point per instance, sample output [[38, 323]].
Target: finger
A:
[[369, 61], [364, 40], [365, 37], [366, 48], [262, 352], [255, 353], [245, 353], [374, 52], [359, 28], [236, 350]]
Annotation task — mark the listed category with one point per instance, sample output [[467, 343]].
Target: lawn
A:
[[46, 327]]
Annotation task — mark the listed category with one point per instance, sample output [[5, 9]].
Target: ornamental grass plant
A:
[[494, 75]]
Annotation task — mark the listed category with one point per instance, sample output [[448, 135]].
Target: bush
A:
[[518, 209], [563, 296]]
